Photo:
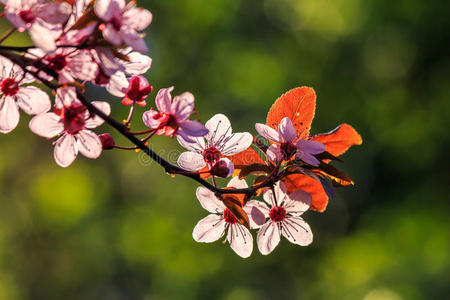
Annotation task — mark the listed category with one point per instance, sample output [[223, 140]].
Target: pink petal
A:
[[308, 158], [298, 202], [33, 100], [267, 132], [274, 153], [237, 183], [209, 201], [134, 40], [191, 161], [149, 121], [219, 127], [112, 35], [89, 144], [257, 212], [65, 150], [189, 129], [240, 239], [107, 9], [182, 106], [66, 96], [209, 229], [47, 125], [238, 142], [108, 62], [311, 147], [286, 130], [82, 66], [268, 237], [9, 114], [197, 144], [96, 121], [138, 64], [42, 36], [297, 231], [54, 12], [137, 18], [117, 84], [163, 99]]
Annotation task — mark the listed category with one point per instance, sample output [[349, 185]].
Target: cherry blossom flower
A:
[[172, 118], [30, 99], [219, 142], [121, 23], [287, 143], [283, 218], [70, 122], [136, 90], [221, 221], [42, 19]]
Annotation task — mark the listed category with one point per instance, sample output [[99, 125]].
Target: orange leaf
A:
[[339, 139], [245, 158], [305, 183], [235, 202], [299, 105]]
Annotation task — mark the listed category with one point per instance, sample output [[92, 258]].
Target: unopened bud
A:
[[223, 168], [107, 141]]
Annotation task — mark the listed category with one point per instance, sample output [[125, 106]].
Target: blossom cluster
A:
[[101, 42]]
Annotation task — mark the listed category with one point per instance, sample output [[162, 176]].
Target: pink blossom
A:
[[71, 121], [121, 23], [221, 221], [42, 19], [219, 142], [30, 99], [173, 116], [287, 143], [135, 90], [283, 218]]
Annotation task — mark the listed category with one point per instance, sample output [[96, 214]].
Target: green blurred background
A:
[[119, 228]]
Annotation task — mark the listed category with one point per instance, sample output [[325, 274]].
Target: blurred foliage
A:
[[118, 228]]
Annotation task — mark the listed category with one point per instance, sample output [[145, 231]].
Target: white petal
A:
[[66, 96], [198, 144], [82, 66], [268, 237], [138, 18], [267, 132], [149, 121], [42, 37], [65, 150], [286, 130], [47, 125], [298, 202], [138, 64], [297, 231], [191, 161], [9, 114], [117, 84], [209, 229], [33, 100], [89, 144], [237, 183], [237, 143], [106, 9], [219, 128], [134, 40], [96, 121], [209, 201], [164, 99], [240, 239]]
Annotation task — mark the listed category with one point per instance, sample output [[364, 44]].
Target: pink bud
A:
[[107, 141], [223, 168]]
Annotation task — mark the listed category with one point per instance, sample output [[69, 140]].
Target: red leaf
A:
[[299, 105], [245, 158], [235, 203], [339, 139], [305, 183]]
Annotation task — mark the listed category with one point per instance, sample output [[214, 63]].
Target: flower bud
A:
[[107, 141], [223, 168]]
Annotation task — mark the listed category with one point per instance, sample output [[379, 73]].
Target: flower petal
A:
[[209, 201], [46, 125], [134, 40], [138, 64], [274, 153], [163, 99], [257, 212], [219, 127], [137, 18], [191, 161], [268, 132], [198, 144], [33, 100], [149, 120], [297, 231], [65, 150], [182, 106], [311, 147], [95, 120], [66, 96], [286, 130], [192, 129], [237, 143], [298, 202], [240, 239], [89, 144], [42, 36], [209, 229], [237, 183], [9, 114], [106, 9], [308, 158], [268, 237]]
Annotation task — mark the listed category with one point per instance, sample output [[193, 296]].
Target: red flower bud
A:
[[107, 141]]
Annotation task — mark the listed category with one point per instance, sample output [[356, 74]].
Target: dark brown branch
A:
[[124, 130]]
